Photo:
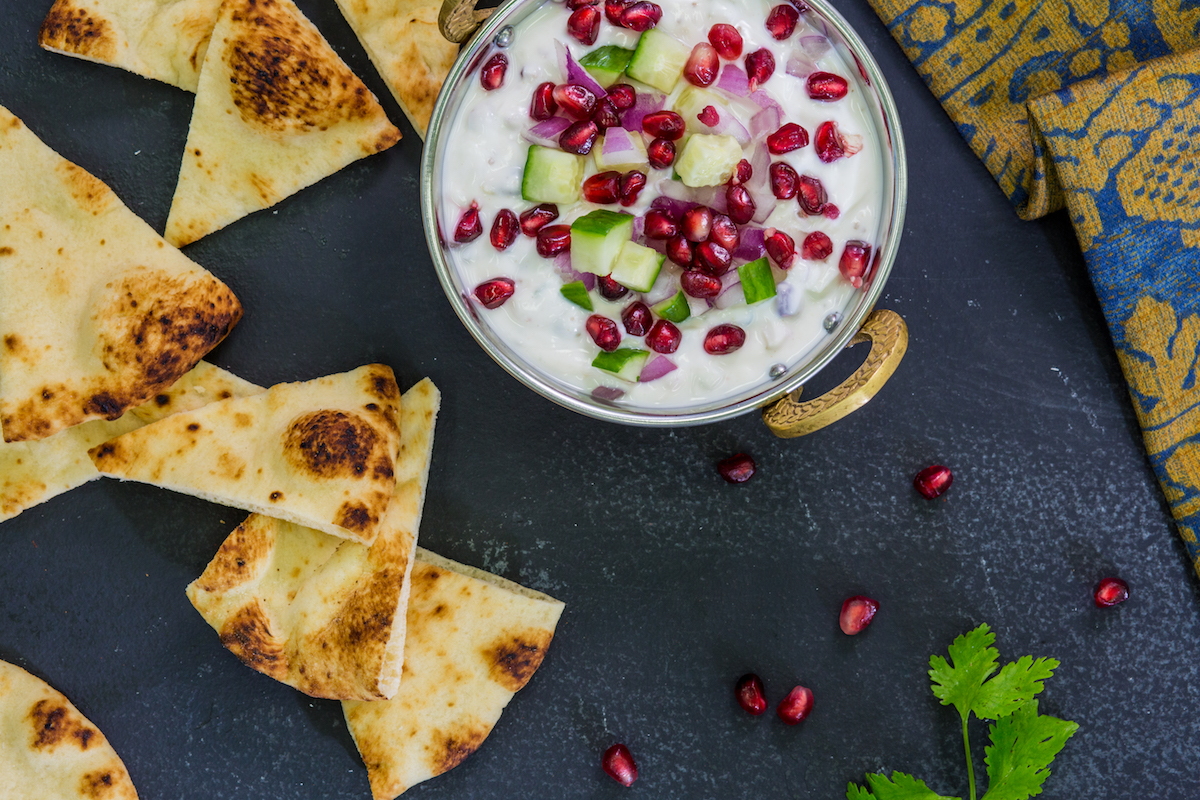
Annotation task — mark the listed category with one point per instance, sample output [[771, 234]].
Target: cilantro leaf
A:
[[856, 792], [899, 787], [974, 661], [1016, 685], [1023, 745]]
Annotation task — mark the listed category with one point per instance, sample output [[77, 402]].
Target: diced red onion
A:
[[655, 368], [667, 285], [764, 100], [607, 393], [576, 73], [759, 184], [766, 121], [731, 295], [639, 227], [800, 65], [646, 103], [787, 299], [618, 145], [733, 80], [750, 244], [686, 197], [562, 263], [729, 126], [814, 46], [547, 131]]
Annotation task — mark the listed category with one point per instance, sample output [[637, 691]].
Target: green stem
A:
[[970, 766]]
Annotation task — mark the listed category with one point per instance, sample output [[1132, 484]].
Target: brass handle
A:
[[458, 19], [888, 335]]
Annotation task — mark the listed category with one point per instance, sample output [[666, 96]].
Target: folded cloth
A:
[[1093, 105]]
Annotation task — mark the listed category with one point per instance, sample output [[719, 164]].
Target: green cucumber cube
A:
[[673, 309], [625, 161], [596, 238], [606, 64], [636, 267], [658, 60], [708, 159], [551, 176], [577, 293], [757, 281], [625, 362]]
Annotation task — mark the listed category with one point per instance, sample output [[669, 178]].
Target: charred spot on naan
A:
[[451, 747], [241, 556], [71, 28], [88, 191], [103, 784], [337, 444], [248, 636], [54, 724], [514, 658]]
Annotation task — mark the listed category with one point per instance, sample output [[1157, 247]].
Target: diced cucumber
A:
[[551, 176], [625, 160], [757, 281], [636, 267], [577, 293], [658, 60], [691, 102], [673, 309], [596, 238], [606, 64], [708, 159], [625, 362]]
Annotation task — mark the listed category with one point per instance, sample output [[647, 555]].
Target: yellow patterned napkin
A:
[[1093, 105]]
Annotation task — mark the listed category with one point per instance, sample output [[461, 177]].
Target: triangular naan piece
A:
[[317, 612], [474, 640], [97, 313], [321, 454], [276, 110], [34, 472], [160, 39], [48, 750], [402, 39]]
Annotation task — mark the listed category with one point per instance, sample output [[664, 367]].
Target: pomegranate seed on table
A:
[[575, 100], [696, 223], [796, 706], [789, 137], [743, 172], [504, 229], [812, 195], [637, 318], [781, 21], [659, 225], [680, 250], [553, 239], [579, 137], [663, 337], [492, 73], [760, 66], [584, 24], [826, 86], [780, 247], [641, 16], [712, 259], [664, 125], [710, 116], [857, 613], [828, 142], [661, 153], [750, 695], [622, 96], [603, 332], [702, 65], [817, 246], [726, 40], [542, 106], [605, 115], [932, 481], [1111, 592], [493, 293], [613, 10], [724, 339], [854, 263], [609, 288], [631, 186], [738, 468], [602, 187], [784, 180], [724, 232], [618, 764], [698, 284], [532, 219], [740, 204], [469, 225]]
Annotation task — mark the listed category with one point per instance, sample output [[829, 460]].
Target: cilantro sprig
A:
[[1023, 742]]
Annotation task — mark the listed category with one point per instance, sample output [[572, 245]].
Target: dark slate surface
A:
[[675, 582]]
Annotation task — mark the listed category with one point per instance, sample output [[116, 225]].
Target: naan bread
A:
[[317, 612], [474, 640], [276, 110], [97, 313], [48, 750], [34, 472], [402, 39], [321, 454], [160, 39]]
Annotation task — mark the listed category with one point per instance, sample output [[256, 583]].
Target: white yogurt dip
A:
[[484, 157]]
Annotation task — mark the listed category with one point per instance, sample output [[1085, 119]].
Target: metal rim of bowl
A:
[[472, 52]]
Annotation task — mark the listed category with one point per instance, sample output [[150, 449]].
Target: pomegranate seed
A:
[[724, 232], [749, 693], [828, 142], [932, 481], [613, 10], [584, 24], [857, 613], [622, 96], [641, 16], [781, 22], [726, 40], [702, 65], [661, 153], [605, 115], [826, 86], [738, 468], [743, 172], [504, 229], [618, 764], [710, 117], [574, 5], [796, 706], [697, 284], [783, 180], [741, 204], [831, 211], [724, 339], [760, 66], [469, 225], [493, 293], [812, 195], [579, 137], [712, 259], [543, 105], [696, 223], [854, 263], [553, 239], [1110, 592], [788, 138], [680, 251], [663, 337], [637, 318], [603, 332], [492, 74], [664, 125], [632, 184], [575, 100], [780, 247], [602, 187], [659, 224], [816, 247], [532, 219], [609, 288]]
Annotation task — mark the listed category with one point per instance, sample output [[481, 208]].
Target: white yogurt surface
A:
[[484, 158]]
